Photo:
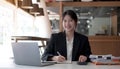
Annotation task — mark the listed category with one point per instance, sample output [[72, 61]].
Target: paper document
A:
[[100, 56], [65, 62], [105, 59]]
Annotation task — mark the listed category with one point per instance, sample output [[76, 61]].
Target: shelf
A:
[[87, 4], [53, 4]]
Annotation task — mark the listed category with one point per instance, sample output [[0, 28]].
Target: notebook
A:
[[105, 59], [27, 53], [106, 62]]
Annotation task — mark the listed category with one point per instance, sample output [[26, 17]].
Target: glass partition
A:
[[94, 21], [54, 17]]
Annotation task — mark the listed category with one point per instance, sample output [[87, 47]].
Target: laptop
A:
[[27, 53]]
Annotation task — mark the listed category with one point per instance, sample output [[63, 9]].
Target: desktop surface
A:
[[9, 63]]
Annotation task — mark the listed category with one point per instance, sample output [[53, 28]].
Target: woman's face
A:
[[68, 23]]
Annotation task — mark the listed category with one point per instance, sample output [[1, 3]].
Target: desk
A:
[[33, 38], [11, 65]]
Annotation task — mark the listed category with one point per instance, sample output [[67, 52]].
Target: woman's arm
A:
[[49, 50]]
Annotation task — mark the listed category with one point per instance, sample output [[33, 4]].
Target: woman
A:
[[68, 45]]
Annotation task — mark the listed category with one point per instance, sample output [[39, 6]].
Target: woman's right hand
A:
[[58, 58]]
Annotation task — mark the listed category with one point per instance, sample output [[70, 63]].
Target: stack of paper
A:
[[109, 56], [105, 60]]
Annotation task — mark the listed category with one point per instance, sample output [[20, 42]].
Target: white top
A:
[[69, 49]]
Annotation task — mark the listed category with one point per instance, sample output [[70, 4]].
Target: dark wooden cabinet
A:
[[95, 0], [102, 45]]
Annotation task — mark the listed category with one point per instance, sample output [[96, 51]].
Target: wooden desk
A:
[[9, 64], [33, 38], [100, 45]]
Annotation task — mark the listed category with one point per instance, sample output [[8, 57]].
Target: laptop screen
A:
[[26, 53]]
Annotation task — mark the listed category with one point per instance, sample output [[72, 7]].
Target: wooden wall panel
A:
[[105, 45], [11, 1]]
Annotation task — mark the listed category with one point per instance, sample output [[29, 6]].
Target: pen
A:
[[58, 53]]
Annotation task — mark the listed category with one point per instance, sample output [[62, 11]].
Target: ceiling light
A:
[[89, 13], [88, 21], [91, 17]]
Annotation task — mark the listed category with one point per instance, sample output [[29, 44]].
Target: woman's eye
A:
[[71, 20], [68, 20], [64, 20]]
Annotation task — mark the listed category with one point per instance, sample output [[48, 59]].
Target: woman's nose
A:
[[67, 23]]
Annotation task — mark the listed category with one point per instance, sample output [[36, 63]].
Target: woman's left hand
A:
[[82, 58]]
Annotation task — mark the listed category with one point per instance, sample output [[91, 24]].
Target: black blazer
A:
[[57, 42]]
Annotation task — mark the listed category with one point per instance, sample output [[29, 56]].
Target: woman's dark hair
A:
[[72, 14]]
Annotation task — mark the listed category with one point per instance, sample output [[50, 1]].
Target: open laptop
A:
[[27, 53]]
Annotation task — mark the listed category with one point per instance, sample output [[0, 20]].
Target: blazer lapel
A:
[[64, 48], [75, 46]]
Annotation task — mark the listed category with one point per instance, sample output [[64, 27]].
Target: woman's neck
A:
[[69, 35]]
